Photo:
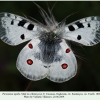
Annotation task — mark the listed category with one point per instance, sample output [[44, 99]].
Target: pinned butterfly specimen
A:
[[48, 54]]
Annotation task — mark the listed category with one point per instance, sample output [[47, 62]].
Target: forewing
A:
[[64, 69], [15, 29], [85, 31], [28, 63]]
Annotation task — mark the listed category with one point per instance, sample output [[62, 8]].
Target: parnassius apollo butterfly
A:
[[48, 54]]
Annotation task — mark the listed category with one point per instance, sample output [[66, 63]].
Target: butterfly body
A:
[[49, 47]]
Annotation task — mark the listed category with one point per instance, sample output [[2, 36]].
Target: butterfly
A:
[[48, 54]]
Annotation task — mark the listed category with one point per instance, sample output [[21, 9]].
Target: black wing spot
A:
[[89, 25], [22, 36], [12, 22], [8, 14], [80, 25], [71, 28], [22, 22], [79, 37], [30, 27]]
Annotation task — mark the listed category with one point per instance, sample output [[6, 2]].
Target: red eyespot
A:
[[30, 46], [29, 61], [67, 50], [64, 66]]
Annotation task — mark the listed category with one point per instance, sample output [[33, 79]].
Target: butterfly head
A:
[[50, 37]]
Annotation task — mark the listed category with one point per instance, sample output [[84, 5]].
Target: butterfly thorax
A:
[[49, 47]]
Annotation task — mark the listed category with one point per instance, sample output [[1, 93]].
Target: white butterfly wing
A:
[[28, 64], [15, 29], [65, 69], [85, 31]]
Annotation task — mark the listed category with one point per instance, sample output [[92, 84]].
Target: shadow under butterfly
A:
[[48, 54]]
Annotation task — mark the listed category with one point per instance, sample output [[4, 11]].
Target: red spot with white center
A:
[[30, 46], [29, 61], [64, 66], [67, 50]]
